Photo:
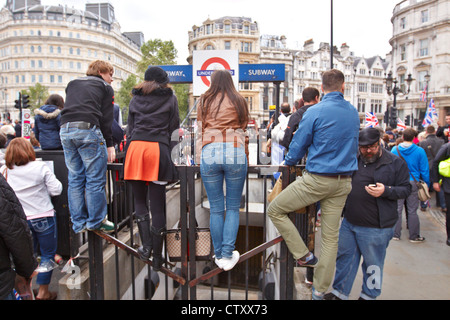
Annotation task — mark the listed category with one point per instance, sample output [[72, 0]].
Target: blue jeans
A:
[[354, 242], [86, 159], [222, 161], [45, 240]]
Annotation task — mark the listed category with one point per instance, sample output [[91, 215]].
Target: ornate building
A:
[[230, 33], [421, 47], [52, 45]]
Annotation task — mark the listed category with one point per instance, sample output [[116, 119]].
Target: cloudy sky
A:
[[364, 25]]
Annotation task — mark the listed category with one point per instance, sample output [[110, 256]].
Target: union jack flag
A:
[[430, 115], [423, 96], [371, 120], [400, 124]]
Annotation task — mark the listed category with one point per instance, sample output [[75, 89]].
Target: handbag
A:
[[202, 244], [277, 188], [422, 186]]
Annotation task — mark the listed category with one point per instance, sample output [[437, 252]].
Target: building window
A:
[[208, 28], [377, 73], [423, 51], [375, 106], [422, 82], [227, 28], [376, 88], [424, 16], [227, 45], [361, 105], [402, 23], [246, 46], [362, 87], [52, 79], [362, 71], [403, 52], [209, 47], [246, 29]]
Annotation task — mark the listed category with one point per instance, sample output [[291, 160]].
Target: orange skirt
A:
[[142, 161]]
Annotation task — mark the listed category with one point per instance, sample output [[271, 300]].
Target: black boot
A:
[[145, 250], [157, 240]]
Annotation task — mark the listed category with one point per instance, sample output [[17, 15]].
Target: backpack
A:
[[277, 133], [444, 168]]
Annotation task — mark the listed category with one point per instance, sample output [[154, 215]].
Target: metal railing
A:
[[186, 274]]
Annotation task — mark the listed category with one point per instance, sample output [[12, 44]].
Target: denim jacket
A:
[[329, 131]]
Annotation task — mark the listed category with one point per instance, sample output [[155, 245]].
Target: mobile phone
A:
[[372, 185]]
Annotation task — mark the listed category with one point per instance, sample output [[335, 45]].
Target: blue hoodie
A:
[[329, 131], [417, 161]]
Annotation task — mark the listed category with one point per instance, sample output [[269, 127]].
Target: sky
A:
[[364, 25]]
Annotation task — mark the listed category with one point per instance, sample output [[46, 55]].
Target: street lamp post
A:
[[393, 89], [5, 92], [427, 79]]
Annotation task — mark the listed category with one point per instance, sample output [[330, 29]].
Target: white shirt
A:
[[33, 184]]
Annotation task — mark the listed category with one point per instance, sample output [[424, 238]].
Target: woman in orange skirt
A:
[[153, 117]]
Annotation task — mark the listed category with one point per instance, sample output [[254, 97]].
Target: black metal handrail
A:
[[121, 213]]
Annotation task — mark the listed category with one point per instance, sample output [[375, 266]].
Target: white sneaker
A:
[[229, 264], [219, 262]]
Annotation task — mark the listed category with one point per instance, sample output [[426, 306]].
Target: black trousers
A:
[[145, 192]]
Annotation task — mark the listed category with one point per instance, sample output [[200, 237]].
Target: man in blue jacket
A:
[[329, 133], [417, 162]]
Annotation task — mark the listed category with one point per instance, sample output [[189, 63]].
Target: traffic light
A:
[[408, 120], [393, 117], [25, 101], [18, 102]]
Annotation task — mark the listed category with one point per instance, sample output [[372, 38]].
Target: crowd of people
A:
[[347, 168]]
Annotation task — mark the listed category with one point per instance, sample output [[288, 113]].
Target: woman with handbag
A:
[[34, 184], [223, 117], [153, 117]]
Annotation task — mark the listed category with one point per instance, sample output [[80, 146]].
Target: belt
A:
[[337, 176], [79, 125]]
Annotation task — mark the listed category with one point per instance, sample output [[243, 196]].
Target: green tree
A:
[[156, 52], [123, 96], [38, 95]]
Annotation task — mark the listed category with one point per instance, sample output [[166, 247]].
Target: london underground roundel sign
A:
[[206, 61]]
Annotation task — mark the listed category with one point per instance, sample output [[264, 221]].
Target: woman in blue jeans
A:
[[222, 118], [34, 184]]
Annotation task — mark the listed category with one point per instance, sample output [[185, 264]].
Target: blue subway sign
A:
[[247, 73], [261, 72], [179, 73]]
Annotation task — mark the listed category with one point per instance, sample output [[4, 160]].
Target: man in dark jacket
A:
[[311, 96], [15, 242], [431, 145], [86, 136], [443, 154], [370, 214]]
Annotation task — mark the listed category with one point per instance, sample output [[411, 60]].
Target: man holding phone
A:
[[370, 214]]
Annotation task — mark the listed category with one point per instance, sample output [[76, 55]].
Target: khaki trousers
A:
[[308, 189]]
